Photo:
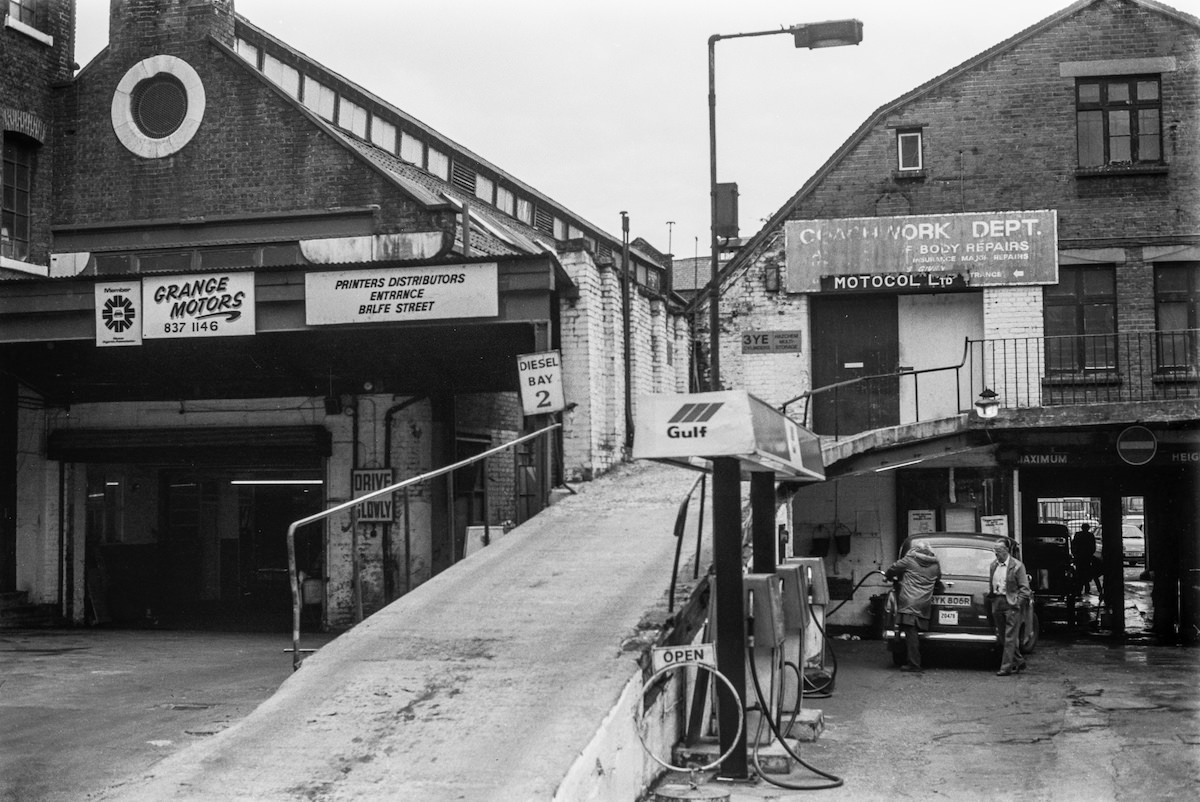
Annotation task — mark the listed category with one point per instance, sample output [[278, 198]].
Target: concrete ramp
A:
[[484, 684]]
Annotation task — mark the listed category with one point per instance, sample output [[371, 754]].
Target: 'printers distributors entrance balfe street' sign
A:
[[401, 294]]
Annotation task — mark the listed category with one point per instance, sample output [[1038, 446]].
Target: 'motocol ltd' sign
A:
[[922, 253]]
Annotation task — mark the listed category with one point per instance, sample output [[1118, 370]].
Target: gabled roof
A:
[[497, 232], [770, 228]]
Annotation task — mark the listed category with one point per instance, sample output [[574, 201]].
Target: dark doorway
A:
[[855, 337]]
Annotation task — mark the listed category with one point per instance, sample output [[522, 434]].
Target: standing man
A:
[[1010, 593], [1083, 552], [917, 572]]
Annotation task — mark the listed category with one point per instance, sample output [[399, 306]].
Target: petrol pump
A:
[[737, 437]]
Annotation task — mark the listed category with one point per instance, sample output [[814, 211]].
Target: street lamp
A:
[[986, 406], [810, 35]]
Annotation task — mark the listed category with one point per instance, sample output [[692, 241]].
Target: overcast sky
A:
[[602, 104]]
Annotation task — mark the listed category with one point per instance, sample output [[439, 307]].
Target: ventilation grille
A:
[[463, 177], [159, 105], [543, 221]]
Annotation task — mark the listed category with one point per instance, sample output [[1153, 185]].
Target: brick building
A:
[[1028, 224], [237, 289]]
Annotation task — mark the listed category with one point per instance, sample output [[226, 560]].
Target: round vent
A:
[[159, 105]]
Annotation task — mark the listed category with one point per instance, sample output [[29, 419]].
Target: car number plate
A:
[[952, 601], [948, 616]]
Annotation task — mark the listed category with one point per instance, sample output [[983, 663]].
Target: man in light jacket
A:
[[1010, 592]]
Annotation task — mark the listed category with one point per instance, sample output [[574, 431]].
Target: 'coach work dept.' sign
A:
[[401, 294], [922, 253]]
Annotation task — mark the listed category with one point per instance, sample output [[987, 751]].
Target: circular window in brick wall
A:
[[158, 106]]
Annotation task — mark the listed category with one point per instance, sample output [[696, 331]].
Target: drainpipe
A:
[[626, 285], [389, 584]]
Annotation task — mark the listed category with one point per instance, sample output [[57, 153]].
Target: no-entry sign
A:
[[1137, 445]]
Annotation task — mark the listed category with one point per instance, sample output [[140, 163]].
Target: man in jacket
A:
[[917, 572], [1010, 593]]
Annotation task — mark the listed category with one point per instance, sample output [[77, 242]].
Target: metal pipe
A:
[[320, 516]]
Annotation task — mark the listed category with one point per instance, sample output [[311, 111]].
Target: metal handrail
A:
[[680, 524], [291, 531], [808, 394]]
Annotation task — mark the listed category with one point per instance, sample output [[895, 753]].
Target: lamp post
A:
[[726, 503], [811, 35]]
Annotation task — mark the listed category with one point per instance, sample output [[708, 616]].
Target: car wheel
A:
[[1029, 633]]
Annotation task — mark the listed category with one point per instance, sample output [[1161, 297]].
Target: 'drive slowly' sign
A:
[[401, 294], [378, 509]]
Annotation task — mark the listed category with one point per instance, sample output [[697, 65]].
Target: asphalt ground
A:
[[1089, 721], [82, 710]]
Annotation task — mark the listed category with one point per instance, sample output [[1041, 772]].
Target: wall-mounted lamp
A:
[[771, 278], [986, 406]]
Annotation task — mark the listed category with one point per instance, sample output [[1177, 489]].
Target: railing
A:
[[1088, 369], [293, 575], [1023, 372], [871, 383]]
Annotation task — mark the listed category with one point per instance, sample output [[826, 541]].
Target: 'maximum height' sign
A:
[[923, 252]]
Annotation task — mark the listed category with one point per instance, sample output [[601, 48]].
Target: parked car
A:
[[961, 612], [1133, 544]]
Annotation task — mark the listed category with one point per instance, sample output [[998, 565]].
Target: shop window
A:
[[1081, 320], [909, 156], [1118, 121], [19, 156], [1177, 316]]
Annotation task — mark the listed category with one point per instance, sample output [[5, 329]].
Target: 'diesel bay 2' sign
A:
[[927, 253]]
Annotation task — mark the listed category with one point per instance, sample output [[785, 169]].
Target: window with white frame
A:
[[909, 155], [383, 135], [438, 164], [248, 52], [505, 200], [412, 150], [525, 211], [485, 188], [353, 118], [287, 78], [319, 98], [1118, 121]]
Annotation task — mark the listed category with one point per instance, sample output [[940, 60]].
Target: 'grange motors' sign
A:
[[923, 253], [202, 305], [401, 294]]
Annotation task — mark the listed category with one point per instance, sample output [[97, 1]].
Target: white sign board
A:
[[541, 382], [920, 522], [663, 656], [199, 305], [994, 525], [378, 509], [401, 294], [119, 313]]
